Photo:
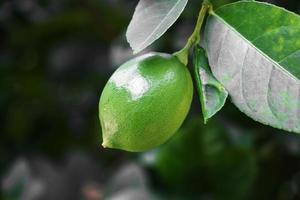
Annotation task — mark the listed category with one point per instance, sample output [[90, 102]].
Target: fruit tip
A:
[[104, 145]]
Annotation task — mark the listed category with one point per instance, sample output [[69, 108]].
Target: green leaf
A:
[[218, 3], [254, 51], [211, 92], [151, 19]]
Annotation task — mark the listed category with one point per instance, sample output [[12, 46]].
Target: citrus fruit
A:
[[145, 102]]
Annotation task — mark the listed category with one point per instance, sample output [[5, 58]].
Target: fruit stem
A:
[[182, 55]]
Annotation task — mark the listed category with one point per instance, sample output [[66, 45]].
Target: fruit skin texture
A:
[[145, 102]]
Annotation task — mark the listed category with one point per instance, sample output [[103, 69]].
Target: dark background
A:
[[55, 58]]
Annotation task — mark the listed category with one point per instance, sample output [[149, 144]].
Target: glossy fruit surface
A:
[[145, 102]]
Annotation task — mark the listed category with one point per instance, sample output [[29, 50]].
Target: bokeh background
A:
[[55, 58]]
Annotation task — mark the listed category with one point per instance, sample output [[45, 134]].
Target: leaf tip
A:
[[136, 51]]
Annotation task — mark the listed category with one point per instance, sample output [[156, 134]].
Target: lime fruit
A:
[[145, 102]]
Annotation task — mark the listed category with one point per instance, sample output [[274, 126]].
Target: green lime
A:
[[145, 102]]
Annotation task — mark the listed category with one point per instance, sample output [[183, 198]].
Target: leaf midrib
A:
[[260, 51]]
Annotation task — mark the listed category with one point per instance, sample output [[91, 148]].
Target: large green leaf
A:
[[211, 92], [254, 51], [151, 20], [218, 3]]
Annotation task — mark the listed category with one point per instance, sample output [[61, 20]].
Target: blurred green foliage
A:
[[217, 159]]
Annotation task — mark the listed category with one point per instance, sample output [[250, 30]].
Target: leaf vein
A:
[[265, 55]]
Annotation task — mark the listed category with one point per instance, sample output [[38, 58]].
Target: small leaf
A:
[[211, 92], [254, 51], [151, 19]]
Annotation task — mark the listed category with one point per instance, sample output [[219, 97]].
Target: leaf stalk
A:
[[182, 55]]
